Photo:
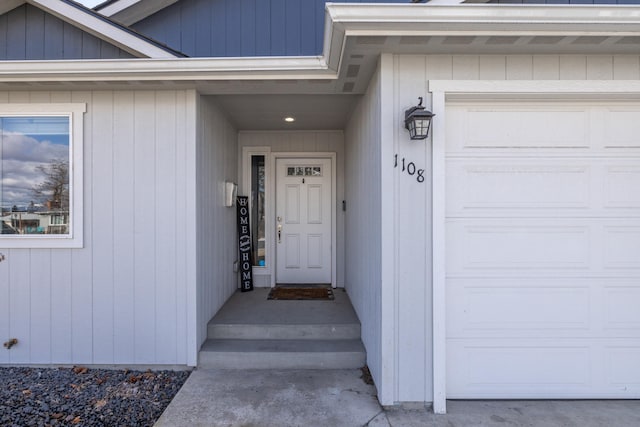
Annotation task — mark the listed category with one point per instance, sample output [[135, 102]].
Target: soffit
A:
[[131, 11]]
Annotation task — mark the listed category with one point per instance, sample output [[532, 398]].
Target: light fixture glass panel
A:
[[422, 125]]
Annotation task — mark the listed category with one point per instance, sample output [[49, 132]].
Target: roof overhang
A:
[[94, 24], [131, 11], [355, 36]]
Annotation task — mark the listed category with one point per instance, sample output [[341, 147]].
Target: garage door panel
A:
[[494, 127], [543, 249], [523, 244], [618, 360], [597, 368], [622, 127], [621, 247], [500, 368], [622, 188], [517, 184], [570, 307], [543, 246], [543, 187], [503, 310], [622, 308]]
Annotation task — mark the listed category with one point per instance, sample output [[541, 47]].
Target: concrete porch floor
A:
[[254, 308], [340, 398], [250, 330]]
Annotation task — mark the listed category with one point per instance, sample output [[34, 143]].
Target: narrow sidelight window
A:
[[258, 210]]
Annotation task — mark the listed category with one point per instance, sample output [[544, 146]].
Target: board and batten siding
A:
[[123, 298], [29, 33], [306, 142], [363, 222], [217, 244], [242, 27], [411, 75]]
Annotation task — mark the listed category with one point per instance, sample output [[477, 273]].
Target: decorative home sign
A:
[[244, 244]]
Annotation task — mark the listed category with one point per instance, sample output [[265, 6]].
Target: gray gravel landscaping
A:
[[85, 397]]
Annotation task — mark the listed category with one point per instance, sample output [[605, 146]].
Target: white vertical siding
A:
[[82, 335], [414, 317], [123, 199], [216, 224], [102, 212], [120, 299], [363, 221], [306, 141], [166, 179], [413, 267]]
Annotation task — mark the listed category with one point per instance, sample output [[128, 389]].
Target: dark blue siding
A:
[[218, 40], [27, 32], [242, 27], [263, 28], [35, 31], [234, 27], [278, 30], [248, 41]]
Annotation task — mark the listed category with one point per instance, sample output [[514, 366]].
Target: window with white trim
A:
[[41, 175]]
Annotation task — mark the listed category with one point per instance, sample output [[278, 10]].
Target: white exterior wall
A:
[[124, 298], [363, 222], [310, 142], [216, 224], [413, 364]]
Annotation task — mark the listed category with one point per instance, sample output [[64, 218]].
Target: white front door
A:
[[303, 220]]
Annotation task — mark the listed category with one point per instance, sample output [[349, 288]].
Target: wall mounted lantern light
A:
[[417, 120]]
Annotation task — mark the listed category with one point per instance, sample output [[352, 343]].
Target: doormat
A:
[[300, 293]]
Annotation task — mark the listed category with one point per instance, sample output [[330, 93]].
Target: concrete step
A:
[[281, 354], [328, 331]]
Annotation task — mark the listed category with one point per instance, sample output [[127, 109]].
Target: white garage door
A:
[[543, 250]]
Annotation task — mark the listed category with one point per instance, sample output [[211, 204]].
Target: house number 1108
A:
[[410, 168]]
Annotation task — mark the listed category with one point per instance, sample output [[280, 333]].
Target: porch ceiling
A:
[[267, 112]]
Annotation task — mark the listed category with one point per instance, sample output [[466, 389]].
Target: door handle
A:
[[279, 233]]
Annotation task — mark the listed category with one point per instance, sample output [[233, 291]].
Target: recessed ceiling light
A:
[[289, 119]]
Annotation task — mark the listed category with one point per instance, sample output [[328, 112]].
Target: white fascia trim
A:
[[472, 13], [192, 69], [482, 19], [516, 87], [131, 11], [102, 29]]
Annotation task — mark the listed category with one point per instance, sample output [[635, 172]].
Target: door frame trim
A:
[[271, 219]]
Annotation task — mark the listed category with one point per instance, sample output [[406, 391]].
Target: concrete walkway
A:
[[334, 398]]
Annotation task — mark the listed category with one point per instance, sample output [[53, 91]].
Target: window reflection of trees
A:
[[34, 175]]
